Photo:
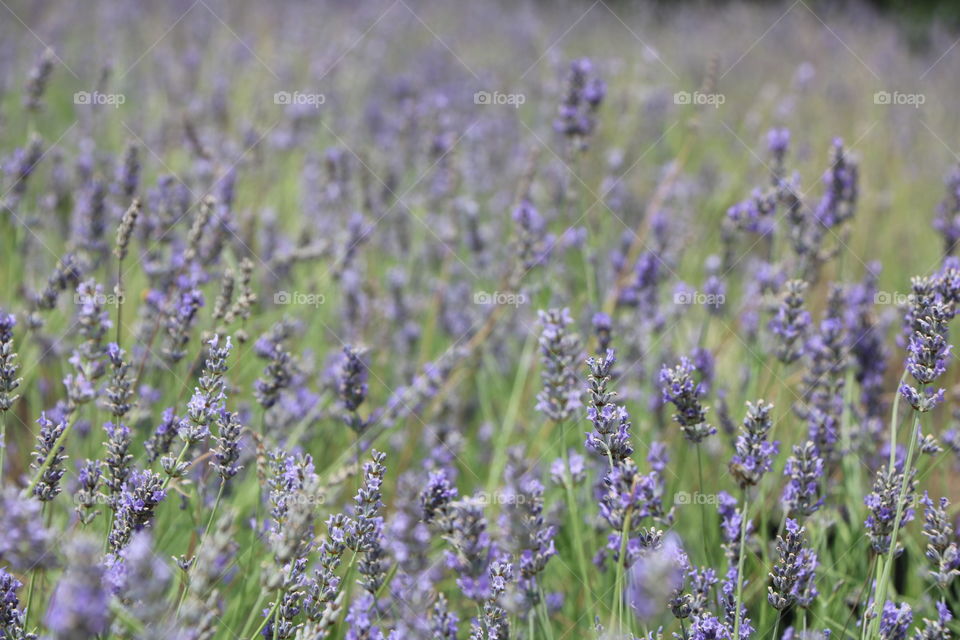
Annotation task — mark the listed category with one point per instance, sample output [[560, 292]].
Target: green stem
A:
[[119, 298], [266, 619], [276, 613], [703, 507], [196, 554], [616, 612], [743, 538], [3, 442], [577, 523], [499, 460], [881, 592], [253, 614], [176, 463], [33, 582]]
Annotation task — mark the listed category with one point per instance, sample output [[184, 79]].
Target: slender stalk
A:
[[703, 506], [616, 612], [545, 623], [276, 613], [573, 507], [743, 538], [252, 615], [266, 618], [3, 442], [180, 457], [119, 298], [33, 582], [881, 593], [196, 554], [776, 625]]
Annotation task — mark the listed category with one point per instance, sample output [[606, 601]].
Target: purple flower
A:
[[708, 627], [840, 198], [583, 96], [559, 351], [656, 576], [79, 608], [12, 619], [791, 323], [352, 387], [895, 621], [9, 382], [942, 550], [118, 459], [756, 214], [801, 495], [882, 503], [141, 577], [610, 437], [48, 452], [678, 387], [436, 500], [755, 453], [603, 330], [792, 576], [179, 321], [947, 220], [927, 350], [574, 466], [134, 506], [778, 140]]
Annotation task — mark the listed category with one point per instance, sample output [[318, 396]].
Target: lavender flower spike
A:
[[352, 387], [79, 608], [755, 453], [559, 351], [679, 388], [942, 549]]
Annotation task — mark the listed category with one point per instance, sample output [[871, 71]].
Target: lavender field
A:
[[412, 319]]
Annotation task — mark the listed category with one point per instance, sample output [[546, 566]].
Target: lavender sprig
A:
[[559, 351], [679, 388]]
